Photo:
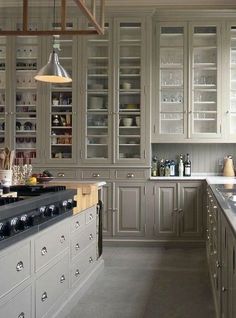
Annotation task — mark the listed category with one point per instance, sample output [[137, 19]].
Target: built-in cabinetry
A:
[[188, 57], [115, 112], [44, 274], [221, 247]]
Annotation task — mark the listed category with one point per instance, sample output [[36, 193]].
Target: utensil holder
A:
[[6, 177]]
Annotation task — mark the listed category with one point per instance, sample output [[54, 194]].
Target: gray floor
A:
[[147, 282]]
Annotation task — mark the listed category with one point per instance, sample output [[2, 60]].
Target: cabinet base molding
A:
[[62, 309], [150, 243]]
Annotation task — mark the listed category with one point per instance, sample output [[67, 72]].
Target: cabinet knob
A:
[[130, 175], [77, 273], [77, 247], [44, 296], [61, 174], [175, 210], [217, 264], [180, 210], [62, 239], [223, 289], [77, 224], [19, 266], [62, 279], [21, 315], [90, 259], [90, 236], [90, 217], [44, 251], [96, 175], [227, 112]]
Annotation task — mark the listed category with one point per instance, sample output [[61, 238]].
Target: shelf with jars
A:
[[26, 96], [2, 91], [61, 106]]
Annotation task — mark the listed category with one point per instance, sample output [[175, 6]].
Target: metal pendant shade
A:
[[53, 72]]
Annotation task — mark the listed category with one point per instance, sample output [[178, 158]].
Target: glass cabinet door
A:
[[232, 111], [61, 100], [172, 106], [98, 104], [26, 97], [3, 110], [204, 113], [130, 100]]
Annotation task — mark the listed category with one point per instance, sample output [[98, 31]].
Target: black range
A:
[[35, 208]]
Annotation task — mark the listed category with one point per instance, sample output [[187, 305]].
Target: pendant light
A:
[[53, 72]]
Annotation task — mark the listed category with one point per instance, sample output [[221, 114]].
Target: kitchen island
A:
[[53, 258]]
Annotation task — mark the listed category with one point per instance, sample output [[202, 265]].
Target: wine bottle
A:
[[181, 166], [187, 167]]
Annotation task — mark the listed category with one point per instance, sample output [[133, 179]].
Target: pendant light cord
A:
[[54, 21]]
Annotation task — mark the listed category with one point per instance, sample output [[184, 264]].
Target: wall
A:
[[205, 158]]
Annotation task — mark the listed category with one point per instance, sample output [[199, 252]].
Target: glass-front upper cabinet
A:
[[205, 55], [172, 81], [231, 112], [26, 113], [98, 98], [130, 108], [3, 110], [61, 108]]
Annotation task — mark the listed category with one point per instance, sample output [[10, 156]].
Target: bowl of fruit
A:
[[44, 177]]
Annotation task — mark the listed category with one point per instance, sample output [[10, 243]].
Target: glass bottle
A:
[[172, 168], [154, 166], [167, 168], [162, 168], [187, 167], [181, 166]]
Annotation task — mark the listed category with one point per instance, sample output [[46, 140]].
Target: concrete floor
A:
[[147, 282]]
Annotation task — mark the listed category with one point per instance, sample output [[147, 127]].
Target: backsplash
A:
[[205, 158]]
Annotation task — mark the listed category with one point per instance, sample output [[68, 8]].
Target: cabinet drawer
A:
[[63, 173], [52, 285], [78, 222], [82, 264], [96, 174], [50, 243], [15, 267], [90, 215], [128, 174], [80, 240], [19, 306]]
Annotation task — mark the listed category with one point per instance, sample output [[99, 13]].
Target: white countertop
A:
[[210, 178], [99, 183]]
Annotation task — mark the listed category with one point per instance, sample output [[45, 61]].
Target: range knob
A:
[[70, 204], [4, 230], [15, 225], [26, 221], [51, 210], [42, 211]]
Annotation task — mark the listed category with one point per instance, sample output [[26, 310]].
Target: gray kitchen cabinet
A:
[[116, 106], [188, 57], [108, 215], [178, 211], [129, 213]]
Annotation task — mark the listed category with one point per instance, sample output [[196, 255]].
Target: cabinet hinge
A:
[[145, 190], [81, 153], [220, 128], [145, 228], [154, 129], [154, 228], [154, 190]]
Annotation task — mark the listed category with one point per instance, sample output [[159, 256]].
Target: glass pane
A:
[[61, 107], [171, 96], [97, 97], [129, 112], [204, 80], [26, 97], [233, 81]]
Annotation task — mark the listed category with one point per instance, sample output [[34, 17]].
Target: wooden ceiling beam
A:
[[90, 14]]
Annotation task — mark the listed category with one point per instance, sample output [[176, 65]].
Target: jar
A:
[[55, 120]]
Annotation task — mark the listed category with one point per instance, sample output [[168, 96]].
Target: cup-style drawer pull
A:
[[96, 175], [44, 251], [61, 174], [77, 224], [19, 266], [77, 273], [62, 279], [77, 247], [44, 296], [90, 216], [62, 239], [90, 259], [21, 315], [130, 175], [90, 236]]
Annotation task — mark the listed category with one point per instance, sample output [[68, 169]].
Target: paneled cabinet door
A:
[[205, 59], [165, 203], [130, 209], [232, 275], [107, 212], [190, 210]]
